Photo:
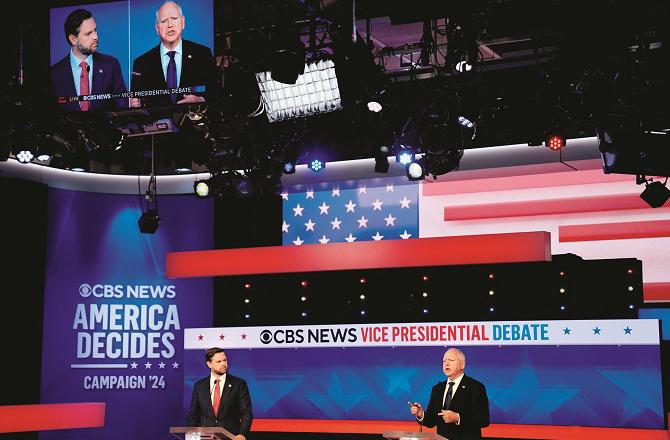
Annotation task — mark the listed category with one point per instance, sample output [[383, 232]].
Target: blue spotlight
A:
[[289, 167], [317, 165], [404, 157]]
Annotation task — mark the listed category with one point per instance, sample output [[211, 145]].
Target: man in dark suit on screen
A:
[[84, 71], [458, 406], [174, 63], [221, 399]]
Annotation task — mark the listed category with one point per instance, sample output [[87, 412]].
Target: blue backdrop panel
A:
[[113, 325], [608, 386]]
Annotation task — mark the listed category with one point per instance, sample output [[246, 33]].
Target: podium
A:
[[200, 433], [412, 435]]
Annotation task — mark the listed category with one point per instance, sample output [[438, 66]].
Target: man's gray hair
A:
[[459, 353], [165, 3]]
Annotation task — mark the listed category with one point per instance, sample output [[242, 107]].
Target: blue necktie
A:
[[447, 399], [172, 74]]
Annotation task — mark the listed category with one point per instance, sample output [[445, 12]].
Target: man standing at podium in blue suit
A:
[[459, 406], [221, 399]]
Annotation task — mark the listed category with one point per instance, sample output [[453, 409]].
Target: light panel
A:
[[315, 91]]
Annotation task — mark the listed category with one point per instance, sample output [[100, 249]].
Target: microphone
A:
[[88, 68]]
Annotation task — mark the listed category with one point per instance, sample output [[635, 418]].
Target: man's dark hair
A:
[[209, 354], [73, 22]]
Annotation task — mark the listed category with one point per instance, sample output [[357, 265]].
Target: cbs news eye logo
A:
[[85, 290], [266, 336]]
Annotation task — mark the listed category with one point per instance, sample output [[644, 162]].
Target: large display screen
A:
[[131, 54]]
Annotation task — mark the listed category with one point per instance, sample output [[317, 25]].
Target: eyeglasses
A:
[[164, 21]]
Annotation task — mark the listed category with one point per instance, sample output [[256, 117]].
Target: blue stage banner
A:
[[113, 324], [603, 373]]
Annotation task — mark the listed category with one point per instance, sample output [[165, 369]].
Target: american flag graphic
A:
[[364, 210]]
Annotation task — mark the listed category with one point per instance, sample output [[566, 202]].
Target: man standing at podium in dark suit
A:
[[221, 399], [458, 406], [175, 62], [84, 70]]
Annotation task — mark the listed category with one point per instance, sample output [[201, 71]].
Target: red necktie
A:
[[217, 397], [83, 85]]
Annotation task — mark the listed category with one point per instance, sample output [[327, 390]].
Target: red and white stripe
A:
[[588, 213]]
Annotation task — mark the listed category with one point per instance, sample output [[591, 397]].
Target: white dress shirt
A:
[[212, 385]]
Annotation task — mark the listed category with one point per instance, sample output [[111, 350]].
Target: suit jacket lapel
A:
[[96, 75], [156, 69], [206, 394], [225, 394], [66, 71], [186, 60], [462, 389]]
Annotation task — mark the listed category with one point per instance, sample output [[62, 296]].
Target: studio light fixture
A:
[[289, 167], [381, 164], [288, 55], [315, 91], [149, 221], [404, 156], [24, 156], [374, 106], [555, 142], [416, 170], [201, 188], [316, 165], [655, 193]]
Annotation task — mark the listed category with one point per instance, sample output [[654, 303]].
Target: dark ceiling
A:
[[574, 67]]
